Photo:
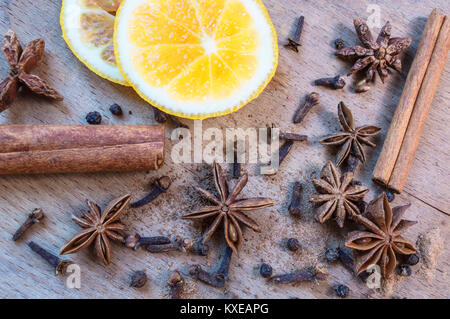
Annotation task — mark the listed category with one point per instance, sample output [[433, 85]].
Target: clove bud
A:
[[33, 218], [311, 100], [58, 264], [337, 82], [294, 207], [161, 186], [181, 244], [293, 43], [308, 274], [176, 284], [199, 273], [135, 241]]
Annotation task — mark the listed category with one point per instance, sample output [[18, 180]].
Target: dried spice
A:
[[314, 274], [375, 55], [336, 82], [382, 240], [350, 139], [294, 206], [337, 195], [138, 279], [294, 42], [228, 209], [341, 291], [94, 118], [99, 228], [33, 218], [21, 64], [116, 109], [60, 265], [160, 187], [265, 270], [311, 100], [176, 284]]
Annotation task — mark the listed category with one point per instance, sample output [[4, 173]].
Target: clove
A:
[[224, 266], [293, 137], [161, 186], [311, 100], [57, 263], [138, 279], [308, 274], [284, 150], [33, 218], [162, 117], [337, 82], [176, 284], [293, 43], [181, 244], [199, 273], [339, 43], [294, 206], [135, 241]]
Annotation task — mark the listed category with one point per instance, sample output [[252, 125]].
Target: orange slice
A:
[[196, 58], [88, 27]]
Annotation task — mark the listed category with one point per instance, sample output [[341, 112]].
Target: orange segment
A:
[[150, 26], [209, 12], [243, 41], [234, 19], [244, 65], [159, 64], [224, 81], [194, 85]]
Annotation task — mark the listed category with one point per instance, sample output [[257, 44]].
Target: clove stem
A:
[[307, 274], [59, 264], [225, 264], [294, 207], [33, 218], [161, 186]]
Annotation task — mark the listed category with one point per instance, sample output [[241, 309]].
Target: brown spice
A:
[[337, 195], [313, 274], [228, 209], [336, 82], [32, 219], [294, 206], [99, 229], [293, 43], [176, 284], [160, 187], [138, 279], [136, 241], [58, 264], [376, 55], [311, 100], [21, 64], [382, 240], [350, 139]]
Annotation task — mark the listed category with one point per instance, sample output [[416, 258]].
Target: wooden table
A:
[[24, 274]]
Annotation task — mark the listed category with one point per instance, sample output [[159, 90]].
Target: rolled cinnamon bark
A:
[[421, 109], [36, 149], [391, 147]]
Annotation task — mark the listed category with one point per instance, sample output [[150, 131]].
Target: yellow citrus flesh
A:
[[196, 58], [88, 27]]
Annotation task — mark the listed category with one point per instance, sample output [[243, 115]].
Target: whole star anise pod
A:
[[21, 64], [351, 139], [99, 228], [382, 240], [337, 195], [375, 55], [228, 209]]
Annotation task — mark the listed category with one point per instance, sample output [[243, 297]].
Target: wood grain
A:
[[427, 187]]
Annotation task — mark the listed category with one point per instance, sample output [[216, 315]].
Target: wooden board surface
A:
[[23, 274]]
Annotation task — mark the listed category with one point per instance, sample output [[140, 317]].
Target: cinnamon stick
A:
[[36, 149], [391, 147], [421, 109]]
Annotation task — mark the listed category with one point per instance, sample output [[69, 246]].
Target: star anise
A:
[[382, 240], [228, 209], [99, 228], [337, 195], [375, 55], [351, 139], [21, 64]]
